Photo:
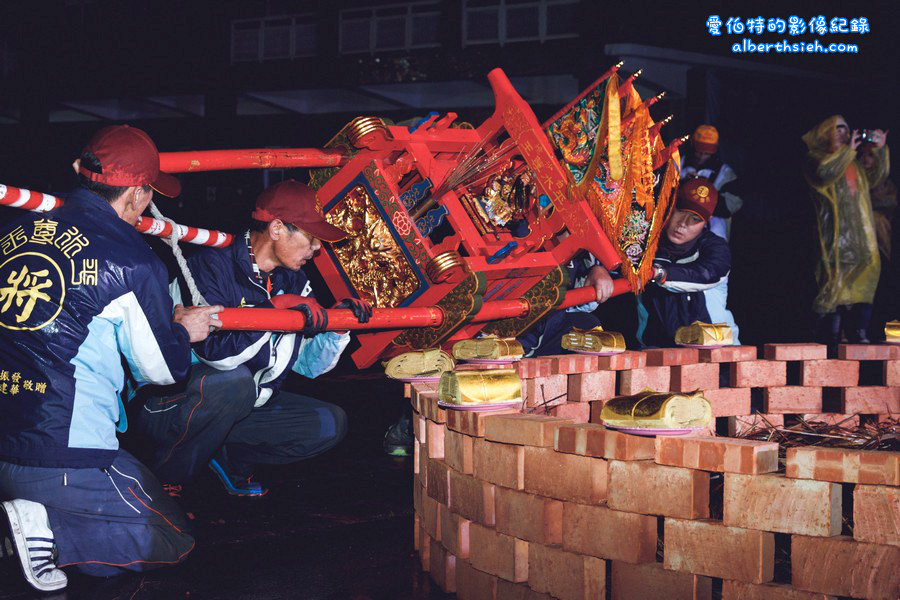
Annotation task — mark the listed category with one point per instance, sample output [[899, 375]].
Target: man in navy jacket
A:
[[232, 414], [690, 260], [80, 290]]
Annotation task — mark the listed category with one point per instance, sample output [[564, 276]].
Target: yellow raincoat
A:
[[849, 267]]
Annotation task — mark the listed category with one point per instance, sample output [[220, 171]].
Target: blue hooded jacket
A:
[[81, 294]]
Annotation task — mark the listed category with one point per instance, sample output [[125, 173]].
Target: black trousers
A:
[[545, 338], [182, 432]]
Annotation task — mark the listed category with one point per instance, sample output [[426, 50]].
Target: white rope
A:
[[196, 297]]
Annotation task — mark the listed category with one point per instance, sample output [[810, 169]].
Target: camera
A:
[[867, 135]]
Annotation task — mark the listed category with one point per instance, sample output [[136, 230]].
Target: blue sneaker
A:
[[236, 485]]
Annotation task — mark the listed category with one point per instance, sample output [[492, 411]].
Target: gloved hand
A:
[[362, 309], [316, 317]]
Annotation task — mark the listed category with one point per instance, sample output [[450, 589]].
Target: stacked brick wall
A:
[[547, 503]]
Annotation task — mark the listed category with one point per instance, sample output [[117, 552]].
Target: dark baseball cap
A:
[[128, 157], [296, 204], [697, 195]]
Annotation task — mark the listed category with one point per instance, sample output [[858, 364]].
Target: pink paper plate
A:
[[653, 431], [492, 361], [481, 407], [418, 379], [589, 352]]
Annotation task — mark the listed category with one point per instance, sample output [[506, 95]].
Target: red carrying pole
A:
[[339, 319], [257, 158]]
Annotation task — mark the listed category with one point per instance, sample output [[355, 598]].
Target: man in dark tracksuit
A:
[[79, 290], [690, 260], [232, 414]]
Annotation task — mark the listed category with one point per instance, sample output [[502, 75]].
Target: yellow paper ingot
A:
[[488, 348], [892, 332], [699, 333], [480, 388], [594, 340], [423, 363], [658, 410]]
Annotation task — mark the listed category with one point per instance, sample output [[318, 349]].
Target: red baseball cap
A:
[[697, 195], [128, 157], [296, 204]]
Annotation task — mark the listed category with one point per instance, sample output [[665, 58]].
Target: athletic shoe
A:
[[236, 483], [27, 534], [398, 441]]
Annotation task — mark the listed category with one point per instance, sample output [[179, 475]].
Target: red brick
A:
[[651, 580], [721, 454], [574, 363], [545, 391], [507, 590], [795, 351], [454, 533], [876, 514], [529, 368], [435, 439], [687, 378], [588, 387], [480, 366], [843, 567], [527, 430], [667, 357], [565, 575], [739, 426], [528, 517], [416, 526], [651, 489], [871, 400], [501, 464], [418, 461], [420, 388], [611, 444], [471, 422], [566, 438], [892, 373], [776, 503], [833, 419], [424, 550], [407, 391], [829, 373], [728, 402], [564, 476], [438, 484], [727, 354], [622, 360], [577, 412], [713, 549], [430, 408], [419, 427], [632, 381], [759, 373], [868, 352], [458, 451], [498, 554], [843, 465], [472, 499], [442, 567], [792, 399], [430, 517], [606, 533], [739, 590], [472, 584]]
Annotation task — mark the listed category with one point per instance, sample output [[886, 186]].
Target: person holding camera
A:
[[849, 265]]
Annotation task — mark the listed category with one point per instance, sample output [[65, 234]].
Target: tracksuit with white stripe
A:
[[82, 298]]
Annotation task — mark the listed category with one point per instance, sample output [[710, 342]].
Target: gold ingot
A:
[[704, 334], [488, 348], [422, 363], [892, 332], [658, 410], [593, 340], [480, 388]]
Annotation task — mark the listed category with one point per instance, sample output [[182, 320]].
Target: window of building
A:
[[502, 21], [273, 38], [390, 27]]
